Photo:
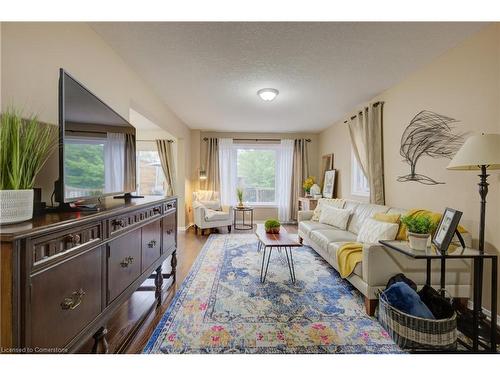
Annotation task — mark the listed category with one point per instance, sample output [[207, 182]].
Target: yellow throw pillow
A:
[[387, 218]]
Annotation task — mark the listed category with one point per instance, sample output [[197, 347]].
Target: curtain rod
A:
[[154, 140], [257, 139], [353, 117]]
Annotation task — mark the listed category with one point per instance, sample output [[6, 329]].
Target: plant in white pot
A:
[[25, 145], [419, 230]]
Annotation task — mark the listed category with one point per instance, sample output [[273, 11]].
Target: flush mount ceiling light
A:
[[267, 94]]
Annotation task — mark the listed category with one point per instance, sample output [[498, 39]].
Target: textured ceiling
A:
[[209, 73]]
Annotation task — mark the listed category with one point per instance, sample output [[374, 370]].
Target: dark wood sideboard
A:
[[63, 275]]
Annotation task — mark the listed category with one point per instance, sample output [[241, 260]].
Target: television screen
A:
[[98, 145]]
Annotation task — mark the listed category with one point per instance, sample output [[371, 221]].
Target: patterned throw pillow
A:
[[336, 217], [373, 231], [335, 202]]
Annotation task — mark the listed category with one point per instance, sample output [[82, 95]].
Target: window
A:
[[256, 173], [359, 183], [150, 177]]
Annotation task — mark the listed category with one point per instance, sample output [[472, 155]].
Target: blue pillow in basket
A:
[[400, 296]]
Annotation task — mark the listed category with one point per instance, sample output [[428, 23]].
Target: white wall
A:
[[32, 54], [463, 83]]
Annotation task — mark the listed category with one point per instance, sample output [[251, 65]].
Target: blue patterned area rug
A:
[[222, 307]]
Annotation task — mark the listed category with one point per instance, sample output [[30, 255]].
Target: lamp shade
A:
[[478, 150]]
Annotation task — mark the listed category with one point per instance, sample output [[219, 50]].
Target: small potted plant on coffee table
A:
[[419, 229], [272, 226]]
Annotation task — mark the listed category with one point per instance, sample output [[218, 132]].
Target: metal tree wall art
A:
[[428, 134]]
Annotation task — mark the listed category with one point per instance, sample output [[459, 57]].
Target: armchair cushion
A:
[[213, 205], [213, 215]]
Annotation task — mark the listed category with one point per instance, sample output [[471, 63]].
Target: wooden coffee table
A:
[[282, 240]]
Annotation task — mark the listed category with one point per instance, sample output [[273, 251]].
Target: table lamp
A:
[[479, 152]]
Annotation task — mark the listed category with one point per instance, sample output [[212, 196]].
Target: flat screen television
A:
[[97, 146]]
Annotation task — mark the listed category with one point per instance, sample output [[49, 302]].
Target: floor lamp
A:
[[479, 152]]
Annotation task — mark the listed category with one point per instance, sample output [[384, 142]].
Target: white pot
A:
[[16, 206], [418, 241]]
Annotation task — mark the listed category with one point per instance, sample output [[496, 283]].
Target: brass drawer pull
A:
[[73, 239], [156, 210], [119, 223], [127, 261], [169, 231], [71, 303], [152, 243]]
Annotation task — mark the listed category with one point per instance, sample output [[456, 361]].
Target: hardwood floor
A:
[[121, 337]]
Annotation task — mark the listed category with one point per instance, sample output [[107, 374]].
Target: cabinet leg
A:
[[229, 228], [158, 285], [173, 264], [100, 343]]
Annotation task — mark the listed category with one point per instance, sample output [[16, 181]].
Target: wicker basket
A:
[[411, 332]]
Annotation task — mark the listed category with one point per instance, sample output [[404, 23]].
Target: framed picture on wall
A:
[[326, 165], [446, 229], [329, 183]]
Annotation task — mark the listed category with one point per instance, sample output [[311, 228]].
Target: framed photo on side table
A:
[[446, 229]]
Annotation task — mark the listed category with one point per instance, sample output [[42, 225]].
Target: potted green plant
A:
[[272, 226], [25, 145], [419, 229], [239, 194]]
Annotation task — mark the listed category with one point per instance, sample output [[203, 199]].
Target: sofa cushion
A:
[[322, 237], [336, 217], [212, 215], [333, 247], [337, 203], [362, 212], [307, 226], [373, 231]]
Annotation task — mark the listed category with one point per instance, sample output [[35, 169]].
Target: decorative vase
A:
[[315, 190], [16, 206], [418, 241], [273, 230], [240, 205]]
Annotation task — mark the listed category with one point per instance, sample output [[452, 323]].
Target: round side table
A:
[[242, 225]]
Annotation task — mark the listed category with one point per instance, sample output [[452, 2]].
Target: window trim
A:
[[354, 187], [252, 146]]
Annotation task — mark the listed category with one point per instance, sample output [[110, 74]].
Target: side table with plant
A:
[[419, 230], [25, 146]]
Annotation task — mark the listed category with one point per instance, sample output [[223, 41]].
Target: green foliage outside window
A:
[[84, 165]]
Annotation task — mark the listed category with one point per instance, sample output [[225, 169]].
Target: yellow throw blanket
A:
[[417, 212], [348, 256]]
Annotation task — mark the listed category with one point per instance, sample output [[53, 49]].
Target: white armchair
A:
[[209, 213]]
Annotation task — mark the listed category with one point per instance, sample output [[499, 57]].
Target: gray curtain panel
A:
[[212, 165], [365, 130], [299, 174], [130, 163], [167, 163]]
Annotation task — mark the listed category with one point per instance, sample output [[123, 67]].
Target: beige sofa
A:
[[379, 264]]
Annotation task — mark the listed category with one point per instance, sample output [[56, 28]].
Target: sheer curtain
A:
[[114, 159], [284, 180], [227, 172]]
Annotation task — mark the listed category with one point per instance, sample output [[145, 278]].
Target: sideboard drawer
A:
[[51, 247], [117, 225], [169, 224], [151, 244], [64, 299], [170, 205], [124, 263]]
